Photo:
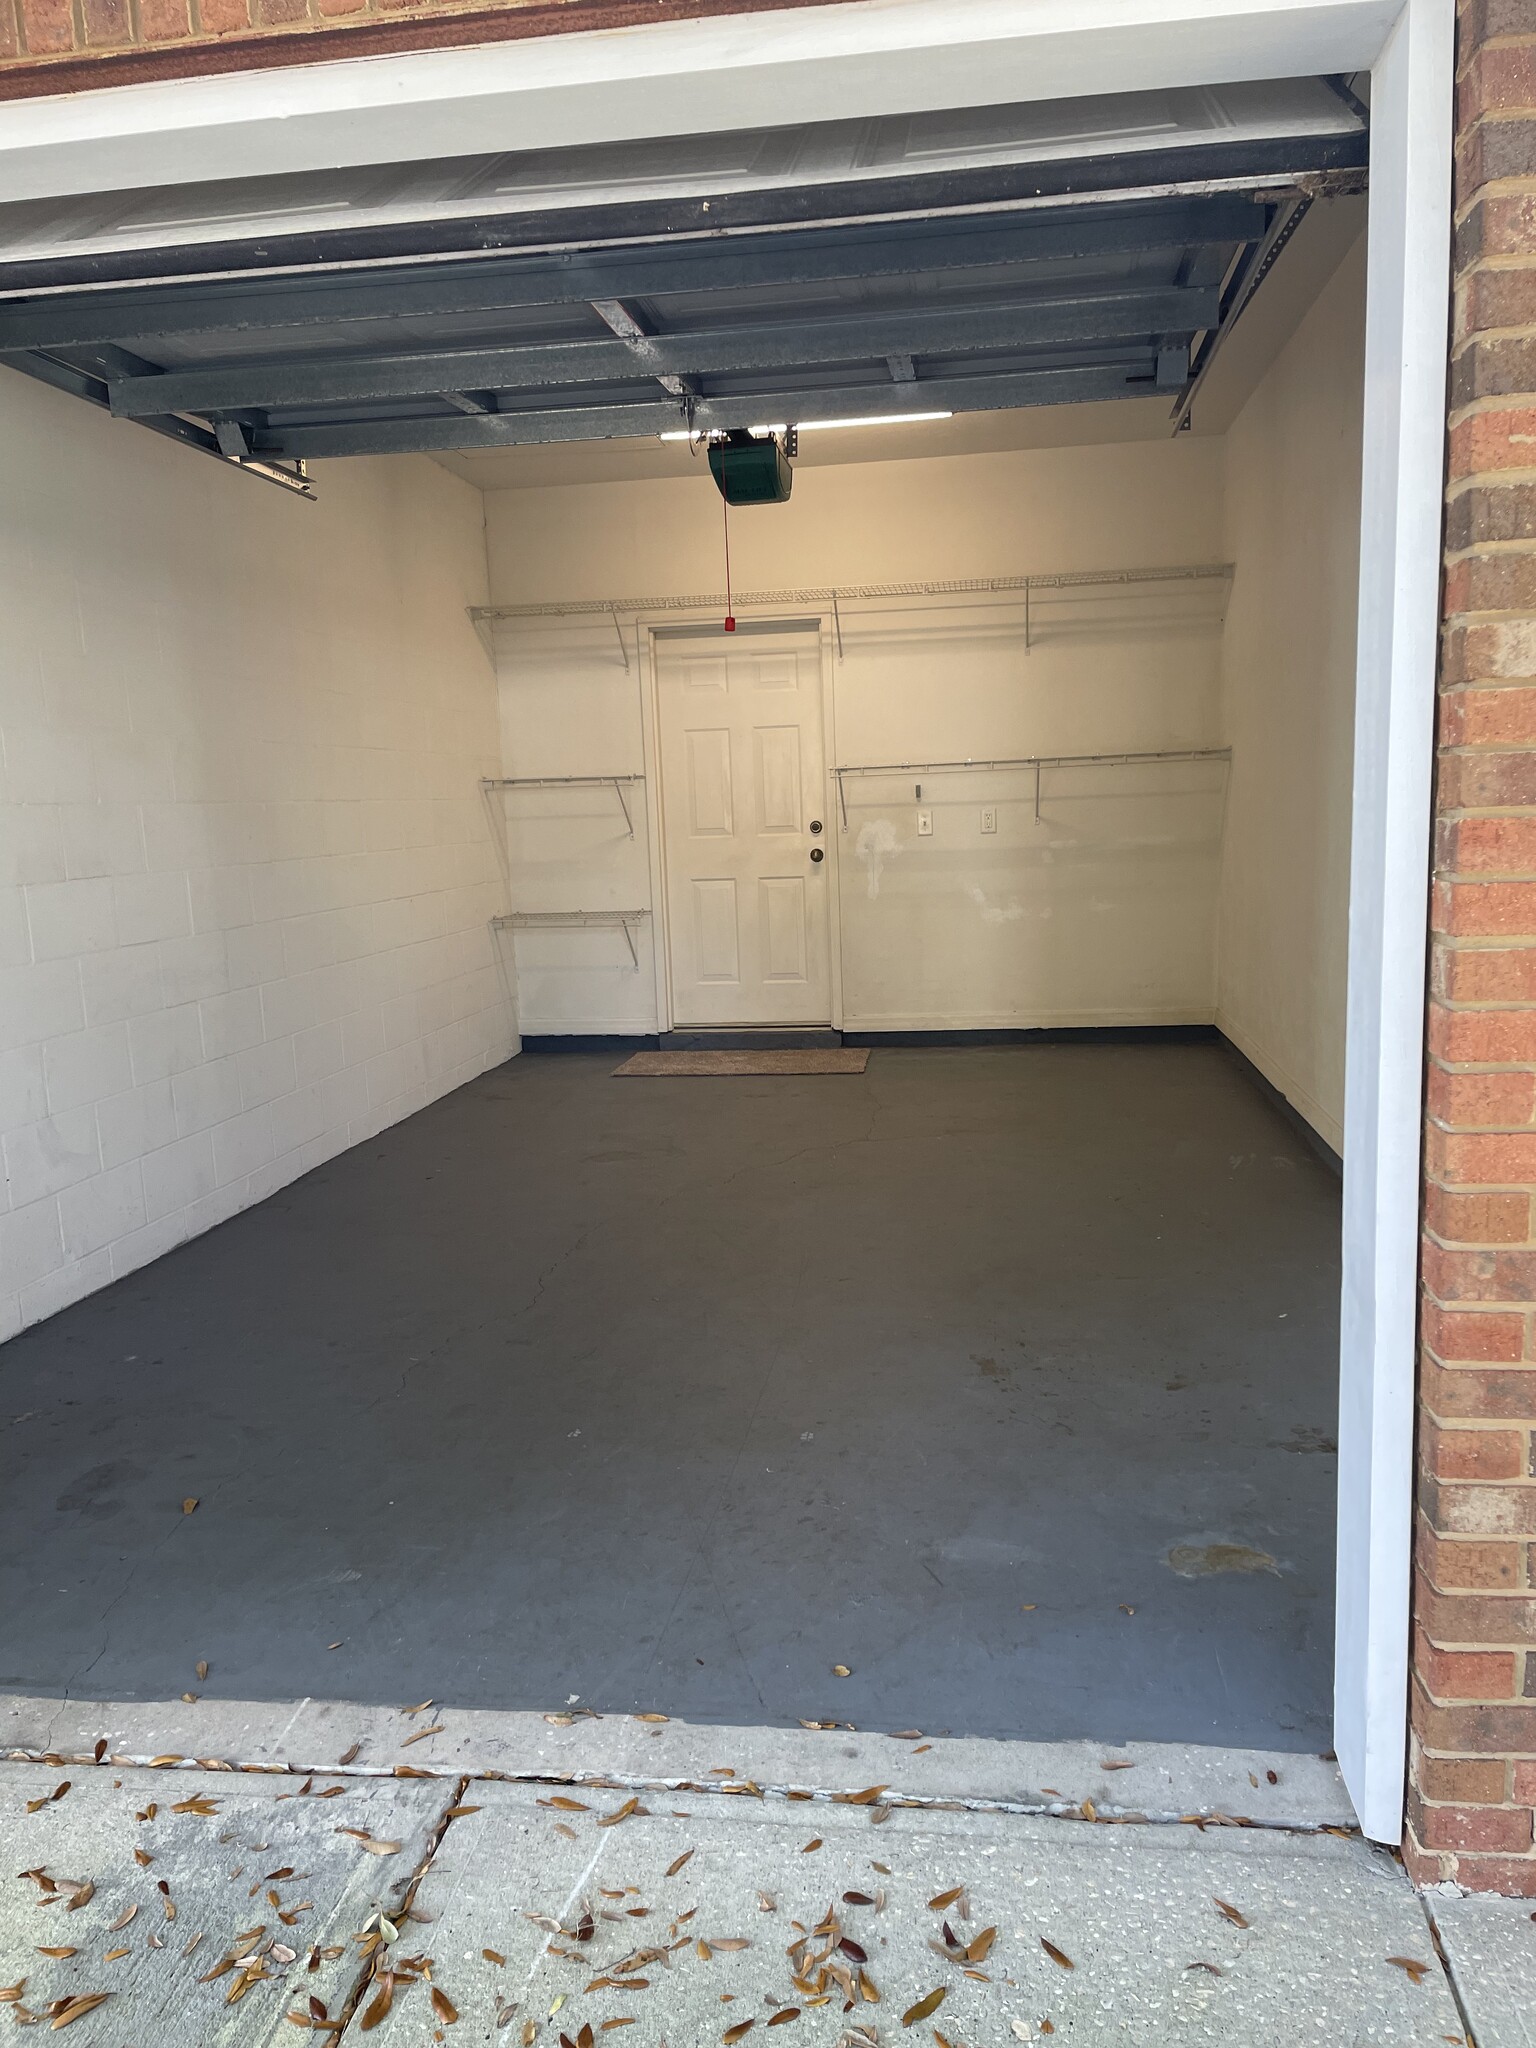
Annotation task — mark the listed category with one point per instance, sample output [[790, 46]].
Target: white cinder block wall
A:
[[246, 870]]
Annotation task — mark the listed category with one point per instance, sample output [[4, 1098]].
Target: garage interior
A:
[[351, 843]]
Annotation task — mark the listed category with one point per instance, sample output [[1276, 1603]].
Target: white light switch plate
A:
[[924, 824]]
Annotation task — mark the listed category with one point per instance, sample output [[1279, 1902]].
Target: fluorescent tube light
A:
[[885, 419]]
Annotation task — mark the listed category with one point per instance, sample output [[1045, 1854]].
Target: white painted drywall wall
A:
[[246, 870], [1292, 497], [1101, 912]]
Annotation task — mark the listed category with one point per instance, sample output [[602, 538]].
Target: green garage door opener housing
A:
[[751, 469]]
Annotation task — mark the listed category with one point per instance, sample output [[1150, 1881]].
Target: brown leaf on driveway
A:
[[1231, 1913], [76, 2008], [1415, 1970], [1057, 1955], [189, 1505], [925, 2006]]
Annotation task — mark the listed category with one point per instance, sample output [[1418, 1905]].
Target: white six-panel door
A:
[[745, 834]]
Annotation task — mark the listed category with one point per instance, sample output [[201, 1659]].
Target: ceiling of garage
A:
[[997, 258]]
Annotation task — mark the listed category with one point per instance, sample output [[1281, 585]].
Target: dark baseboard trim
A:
[[778, 1039], [1293, 1116], [1053, 1034], [592, 1041]]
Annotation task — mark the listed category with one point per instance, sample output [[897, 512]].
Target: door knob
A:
[[817, 854], [815, 824]]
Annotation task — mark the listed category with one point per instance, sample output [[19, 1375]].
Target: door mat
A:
[[834, 1059]]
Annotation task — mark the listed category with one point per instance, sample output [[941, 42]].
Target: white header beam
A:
[[817, 63]]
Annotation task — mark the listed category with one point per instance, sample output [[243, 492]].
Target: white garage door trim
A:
[[892, 56]]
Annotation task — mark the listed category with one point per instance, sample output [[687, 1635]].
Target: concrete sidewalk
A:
[[233, 1900]]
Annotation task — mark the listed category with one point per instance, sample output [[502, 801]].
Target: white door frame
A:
[[892, 56], [650, 738]]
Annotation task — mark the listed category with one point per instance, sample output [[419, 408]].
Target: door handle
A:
[[817, 854]]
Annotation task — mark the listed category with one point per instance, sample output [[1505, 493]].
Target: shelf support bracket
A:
[[618, 790], [623, 645]]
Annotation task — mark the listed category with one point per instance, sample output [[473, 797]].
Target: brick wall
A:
[[49, 46], [1474, 1660]]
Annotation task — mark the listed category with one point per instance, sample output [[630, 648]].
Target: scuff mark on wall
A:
[[877, 843], [996, 913]]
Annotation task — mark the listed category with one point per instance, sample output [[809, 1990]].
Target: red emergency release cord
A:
[[725, 513]]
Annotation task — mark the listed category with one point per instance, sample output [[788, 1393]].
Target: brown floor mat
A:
[[832, 1059]]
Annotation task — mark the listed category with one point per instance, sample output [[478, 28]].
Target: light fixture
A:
[[891, 419]]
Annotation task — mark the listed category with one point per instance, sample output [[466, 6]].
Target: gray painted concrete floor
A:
[[1090, 1933], [680, 1394]]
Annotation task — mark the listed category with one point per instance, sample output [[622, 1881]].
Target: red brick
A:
[[164, 21], [1462, 1780], [1423, 1866], [275, 13], [223, 17], [1471, 910], [1477, 1219], [1485, 975], [1477, 1566], [1476, 1509], [1487, 846], [1452, 1620], [1481, 1101], [1504, 297], [1493, 1829], [1479, 1275], [1496, 224], [108, 23], [1485, 781], [1492, 366], [1503, 582], [1497, 717], [1505, 1729], [48, 26], [1478, 20], [1493, 149], [1474, 1336], [1501, 79], [1497, 1159], [342, 6], [1524, 1787], [1464, 1675], [1504, 436], [1474, 1453], [1479, 1393], [1515, 1878]]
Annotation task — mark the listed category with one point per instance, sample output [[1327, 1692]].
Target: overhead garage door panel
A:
[[990, 258]]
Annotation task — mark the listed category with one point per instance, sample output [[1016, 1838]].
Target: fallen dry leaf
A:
[[739, 2032], [676, 1865], [1415, 1970], [371, 1843], [841, 1671], [981, 1947], [784, 2015], [943, 1899], [444, 2006], [197, 1804], [566, 1805], [1231, 1913], [58, 1952], [1057, 1955], [422, 1734], [1212, 1969], [611, 1820], [494, 1956], [349, 1755], [78, 2007], [813, 1843], [925, 2006]]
